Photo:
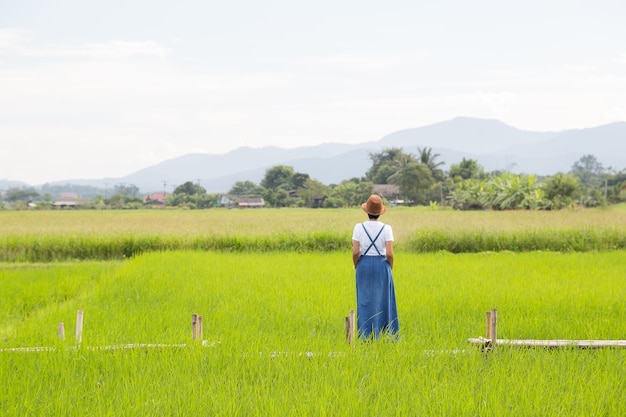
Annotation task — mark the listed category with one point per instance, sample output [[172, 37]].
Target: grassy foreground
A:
[[275, 342]]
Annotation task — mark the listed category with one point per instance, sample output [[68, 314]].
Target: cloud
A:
[[108, 50], [499, 103], [580, 68], [349, 62], [19, 42], [12, 39]]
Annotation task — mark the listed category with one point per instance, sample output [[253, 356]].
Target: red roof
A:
[[155, 197]]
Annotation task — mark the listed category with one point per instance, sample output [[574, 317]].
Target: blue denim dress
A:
[[377, 313]]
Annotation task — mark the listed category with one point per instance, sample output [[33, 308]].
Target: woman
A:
[[372, 255]]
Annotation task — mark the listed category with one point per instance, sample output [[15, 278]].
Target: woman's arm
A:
[[389, 249], [356, 252]]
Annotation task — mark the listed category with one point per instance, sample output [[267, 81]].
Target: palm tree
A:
[[412, 178], [427, 158]]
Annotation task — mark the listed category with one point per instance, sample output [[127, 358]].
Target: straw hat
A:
[[374, 205]]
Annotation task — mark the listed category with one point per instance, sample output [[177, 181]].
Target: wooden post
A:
[[494, 327], [79, 327], [61, 330], [491, 331], [350, 327], [194, 326]]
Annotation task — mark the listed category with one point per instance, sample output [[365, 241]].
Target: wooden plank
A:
[[29, 349], [583, 344], [205, 343]]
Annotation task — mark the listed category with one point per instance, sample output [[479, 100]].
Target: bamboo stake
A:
[[494, 327], [61, 330], [79, 326], [350, 327], [199, 329], [491, 330], [194, 326], [352, 324]]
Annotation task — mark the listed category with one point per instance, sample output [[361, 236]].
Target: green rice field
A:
[[273, 292], [44, 236]]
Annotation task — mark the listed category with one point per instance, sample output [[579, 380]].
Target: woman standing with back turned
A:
[[372, 255]]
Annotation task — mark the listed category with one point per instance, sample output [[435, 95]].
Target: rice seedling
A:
[[274, 323]]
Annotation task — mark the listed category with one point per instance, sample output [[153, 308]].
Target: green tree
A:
[[128, 190], [189, 195], [588, 170], [245, 188], [384, 165], [299, 180], [466, 169], [510, 192], [617, 187], [189, 188], [122, 201], [351, 193], [467, 195], [20, 194], [309, 190], [426, 157], [282, 198], [506, 191], [278, 176], [282, 176], [413, 179], [561, 190]]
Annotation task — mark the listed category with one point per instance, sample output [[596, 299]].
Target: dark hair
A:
[[373, 217]]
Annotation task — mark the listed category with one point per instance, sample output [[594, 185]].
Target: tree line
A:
[[410, 179], [419, 179]]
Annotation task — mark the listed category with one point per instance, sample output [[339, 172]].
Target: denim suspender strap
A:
[[372, 240]]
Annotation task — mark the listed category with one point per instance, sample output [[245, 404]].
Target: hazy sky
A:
[[93, 89]]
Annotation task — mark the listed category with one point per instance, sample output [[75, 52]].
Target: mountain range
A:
[[495, 145]]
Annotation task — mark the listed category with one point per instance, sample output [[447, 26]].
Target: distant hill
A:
[[6, 184], [495, 145]]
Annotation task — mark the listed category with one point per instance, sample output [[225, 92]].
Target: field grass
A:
[[274, 326], [35, 236]]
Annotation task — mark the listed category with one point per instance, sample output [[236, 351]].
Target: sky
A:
[[100, 89]]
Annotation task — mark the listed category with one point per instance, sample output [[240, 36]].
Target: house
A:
[[69, 200], [389, 192], [318, 200], [156, 199], [226, 201], [245, 202]]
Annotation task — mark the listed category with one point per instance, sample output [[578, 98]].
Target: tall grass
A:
[[545, 238], [275, 326], [80, 235]]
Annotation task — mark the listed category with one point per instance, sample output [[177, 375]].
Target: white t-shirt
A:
[[373, 227]]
